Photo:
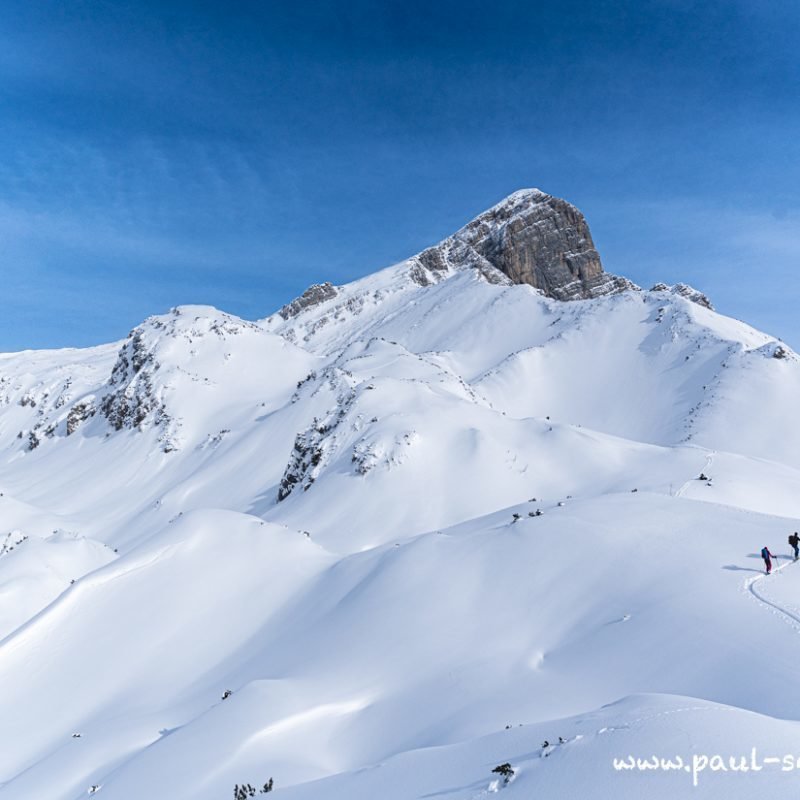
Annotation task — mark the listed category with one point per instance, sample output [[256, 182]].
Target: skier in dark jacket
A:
[[794, 541], [767, 556]]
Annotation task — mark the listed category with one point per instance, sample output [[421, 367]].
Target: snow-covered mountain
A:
[[409, 528]]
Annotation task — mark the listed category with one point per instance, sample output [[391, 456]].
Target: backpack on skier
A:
[[765, 553]]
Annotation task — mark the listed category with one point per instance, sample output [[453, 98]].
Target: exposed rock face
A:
[[78, 414], [311, 297], [132, 398], [780, 352], [684, 290], [530, 237], [313, 447]]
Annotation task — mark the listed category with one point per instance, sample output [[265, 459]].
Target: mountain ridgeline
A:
[[379, 543], [529, 238]]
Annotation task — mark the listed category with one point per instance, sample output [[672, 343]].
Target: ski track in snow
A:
[[789, 614], [668, 712], [704, 471]]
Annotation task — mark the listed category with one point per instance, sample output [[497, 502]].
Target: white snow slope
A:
[[388, 629]]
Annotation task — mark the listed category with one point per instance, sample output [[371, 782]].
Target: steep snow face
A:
[[185, 367], [419, 525], [42, 392], [189, 398], [648, 366], [187, 364]]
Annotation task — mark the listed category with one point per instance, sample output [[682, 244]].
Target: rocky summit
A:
[[530, 237]]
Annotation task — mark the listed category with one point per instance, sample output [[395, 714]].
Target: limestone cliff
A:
[[530, 237]]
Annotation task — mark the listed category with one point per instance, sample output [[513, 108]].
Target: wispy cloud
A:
[[745, 258]]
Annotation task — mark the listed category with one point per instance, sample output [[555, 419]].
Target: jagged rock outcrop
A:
[[158, 356], [530, 237], [313, 447], [684, 290], [79, 413], [133, 397], [311, 297]]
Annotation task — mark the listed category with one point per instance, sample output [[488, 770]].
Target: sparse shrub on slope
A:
[[245, 790]]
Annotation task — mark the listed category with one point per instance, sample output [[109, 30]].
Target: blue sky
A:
[[160, 153]]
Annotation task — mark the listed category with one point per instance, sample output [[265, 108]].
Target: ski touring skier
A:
[[794, 541], [767, 556]]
